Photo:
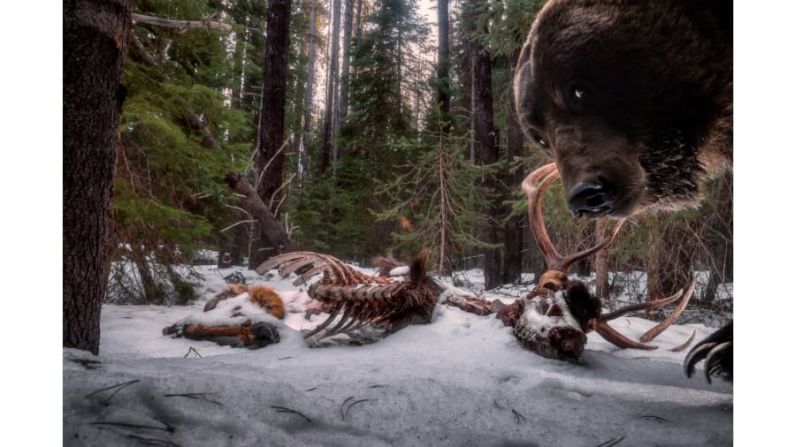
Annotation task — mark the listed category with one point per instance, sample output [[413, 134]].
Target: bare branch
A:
[[179, 24], [145, 55], [273, 196], [267, 165], [237, 207], [238, 223]]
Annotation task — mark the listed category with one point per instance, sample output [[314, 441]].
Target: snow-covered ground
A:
[[462, 380]]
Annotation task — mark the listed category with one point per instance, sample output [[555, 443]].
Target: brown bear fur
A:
[[635, 94]]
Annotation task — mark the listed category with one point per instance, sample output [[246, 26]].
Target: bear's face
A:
[[623, 95]]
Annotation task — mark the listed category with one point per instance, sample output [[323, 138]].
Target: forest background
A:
[[367, 127], [33, 237]]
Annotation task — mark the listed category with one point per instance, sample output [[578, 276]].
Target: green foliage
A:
[[332, 212], [179, 136], [436, 200], [382, 61]]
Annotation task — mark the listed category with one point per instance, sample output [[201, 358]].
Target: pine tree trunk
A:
[[271, 120], [514, 226], [399, 96], [342, 110], [486, 147], [601, 262], [474, 155], [238, 87], [358, 32], [443, 64], [331, 85], [95, 38], [309, 94]]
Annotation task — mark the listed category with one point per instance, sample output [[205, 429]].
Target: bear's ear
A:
[[418, 267]]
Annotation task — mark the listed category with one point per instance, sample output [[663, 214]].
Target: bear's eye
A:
[[539, 140], [578, 92]]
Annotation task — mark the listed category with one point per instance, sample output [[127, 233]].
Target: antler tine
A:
[[545, 175], [618, 339], [568, 261], [663, 325], [642, 306]]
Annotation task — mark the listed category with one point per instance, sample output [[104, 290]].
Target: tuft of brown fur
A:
[[418, 268], [268, 299], [237, 288], [232, 290]]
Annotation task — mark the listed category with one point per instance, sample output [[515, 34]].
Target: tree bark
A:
[[486, 147], [309, 94], [443, 64], [271, 120], [95, 39], [270, 228], [601, 263], [358, 32], [331, 85], [514, 226], [342, 110]]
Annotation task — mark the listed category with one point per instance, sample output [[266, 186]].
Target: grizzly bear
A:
[[633, 100]]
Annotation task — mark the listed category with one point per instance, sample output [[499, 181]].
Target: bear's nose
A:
[[591, 199]]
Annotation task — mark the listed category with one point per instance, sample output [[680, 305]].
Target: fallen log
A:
[[269, 226]]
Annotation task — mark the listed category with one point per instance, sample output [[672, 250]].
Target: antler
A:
[[608, 333], [554, 278], [557, 265]]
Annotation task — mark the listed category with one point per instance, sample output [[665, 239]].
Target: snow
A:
[[462, 380]]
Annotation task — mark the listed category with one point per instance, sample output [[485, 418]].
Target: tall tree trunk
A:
[[309, 94], [601, 262], [331, 85], [342, 110], [486, 147], [271, 120], [358, 32], [239, 66], [95, 37], [444, 208], [474, 156], [400, 69], [443, 64], [514, 231]]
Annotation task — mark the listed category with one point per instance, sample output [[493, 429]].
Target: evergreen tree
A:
[[334, 211], [436, 201], [178, 139]]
